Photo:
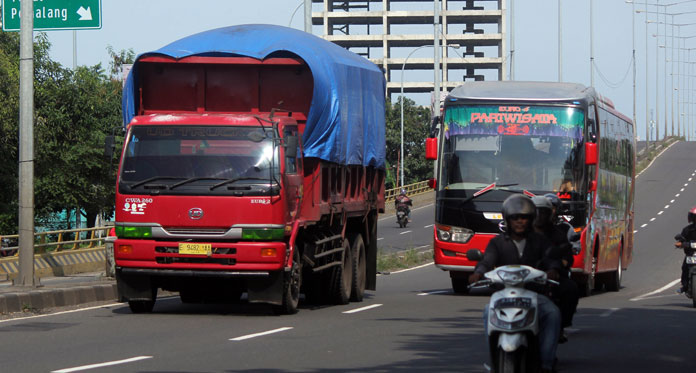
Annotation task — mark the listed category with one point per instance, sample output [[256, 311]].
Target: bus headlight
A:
[[448, 233]]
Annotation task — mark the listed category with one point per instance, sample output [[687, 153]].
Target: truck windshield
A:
[[518, 147], [184, 157]]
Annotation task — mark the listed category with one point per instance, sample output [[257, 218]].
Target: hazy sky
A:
[[146, 25]]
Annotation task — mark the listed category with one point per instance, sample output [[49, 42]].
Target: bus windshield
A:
[[516, 147]]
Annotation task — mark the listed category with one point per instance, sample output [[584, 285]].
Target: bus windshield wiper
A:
[[485, 189], [230, 181], [194, 179], [151, 179]]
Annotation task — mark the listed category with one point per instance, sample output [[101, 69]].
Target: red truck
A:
[[253, 163]]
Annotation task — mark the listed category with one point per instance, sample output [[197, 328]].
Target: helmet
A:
[[403, 191], [692, 215], [544, 210], [518, 204], [555, 201]]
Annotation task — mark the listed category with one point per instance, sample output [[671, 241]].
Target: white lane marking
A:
[[100, 365], [420, 247], [428, 226], [672, 201], [660, 213], [653, 219], [687, 184], [435, 292], [635, 231], [641, 297], [363, 308], [261, 334], [644, 225], [676, 195], [690, 179], [405, 232], [608, 312], [63, 312], [381, 238], [411, 269], [666, 206], [681, 190]]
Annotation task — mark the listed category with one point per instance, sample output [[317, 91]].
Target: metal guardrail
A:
[[54, 241], [83, 238], [411, 190]]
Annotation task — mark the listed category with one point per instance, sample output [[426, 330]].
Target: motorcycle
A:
[[689, 248], [512, 321], [402, 216]]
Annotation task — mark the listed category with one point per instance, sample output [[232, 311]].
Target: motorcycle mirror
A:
[[474, 255]]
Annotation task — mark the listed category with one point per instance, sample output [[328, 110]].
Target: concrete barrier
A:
[[62, 263]]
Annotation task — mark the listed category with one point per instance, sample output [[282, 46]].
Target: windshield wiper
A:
[[150, 179], [194, 179], [488, 188], [230, 181]]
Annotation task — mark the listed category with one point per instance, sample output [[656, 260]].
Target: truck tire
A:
[[357, 290], [143, 306], [292, 283], [342, 277]]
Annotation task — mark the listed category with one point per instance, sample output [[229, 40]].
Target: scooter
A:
[[401, 216], [512, 319], [689, 248]]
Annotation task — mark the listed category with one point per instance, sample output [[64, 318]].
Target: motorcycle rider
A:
[[566, 294], [689, 234], [521, 245], [402, 201]]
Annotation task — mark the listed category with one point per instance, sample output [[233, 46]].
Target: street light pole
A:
[[647, 129]]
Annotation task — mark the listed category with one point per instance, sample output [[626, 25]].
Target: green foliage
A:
[[416, 130], [74, 110]]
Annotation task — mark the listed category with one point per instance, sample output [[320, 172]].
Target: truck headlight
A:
[[124, 231], [448, 233]]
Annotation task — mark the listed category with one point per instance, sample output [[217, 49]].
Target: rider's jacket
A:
[[402, 201], [689, 233]]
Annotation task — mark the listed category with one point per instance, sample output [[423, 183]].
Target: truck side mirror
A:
[[431, 148], [590, 153], [109, 146], [291, 146]]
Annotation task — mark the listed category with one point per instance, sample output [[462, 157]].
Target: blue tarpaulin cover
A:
[[345, 123]]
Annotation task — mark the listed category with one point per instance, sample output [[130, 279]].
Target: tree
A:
[[416, 130], [9, 130]]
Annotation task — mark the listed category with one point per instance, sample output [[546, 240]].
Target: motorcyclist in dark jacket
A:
[[566, 294], [402, 201], [689, 234], [521, 245]]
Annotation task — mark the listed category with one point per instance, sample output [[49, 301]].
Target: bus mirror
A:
[[432, 182], [590, 153], [109, 145], [431, 148], [291, 146], [593, 186]]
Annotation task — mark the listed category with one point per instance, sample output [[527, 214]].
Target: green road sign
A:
[[55, 15]]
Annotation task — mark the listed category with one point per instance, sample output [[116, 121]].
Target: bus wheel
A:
[[613, 279]]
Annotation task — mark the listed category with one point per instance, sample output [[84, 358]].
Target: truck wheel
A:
[[460, 285], [291, 287], [357, 290], [342, 277], [143, 306]]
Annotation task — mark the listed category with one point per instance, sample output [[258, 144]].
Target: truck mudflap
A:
[[267, 289], [134, 287]]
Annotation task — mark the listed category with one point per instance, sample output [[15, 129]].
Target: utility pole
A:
[[308, 16], [560, 49], [647, 125], [26, 146], [592, 47], [512, 39]]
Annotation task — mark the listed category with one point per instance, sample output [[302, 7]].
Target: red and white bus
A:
[[498, 138]]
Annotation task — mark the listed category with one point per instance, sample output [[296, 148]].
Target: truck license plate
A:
[[691, 259], [195, 248]]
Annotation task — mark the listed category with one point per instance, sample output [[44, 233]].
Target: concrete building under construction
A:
[[393, 34]]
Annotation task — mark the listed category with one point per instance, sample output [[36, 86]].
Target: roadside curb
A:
[[37, 299]]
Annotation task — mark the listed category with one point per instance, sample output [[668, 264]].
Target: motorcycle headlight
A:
[[448, 233], [513, 277]]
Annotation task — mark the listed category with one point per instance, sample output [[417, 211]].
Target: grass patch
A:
[[403, 259]]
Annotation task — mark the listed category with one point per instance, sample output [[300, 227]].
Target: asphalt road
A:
[[416, 235], [413, 322]]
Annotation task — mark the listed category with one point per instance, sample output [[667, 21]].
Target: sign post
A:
[[54, 15]]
